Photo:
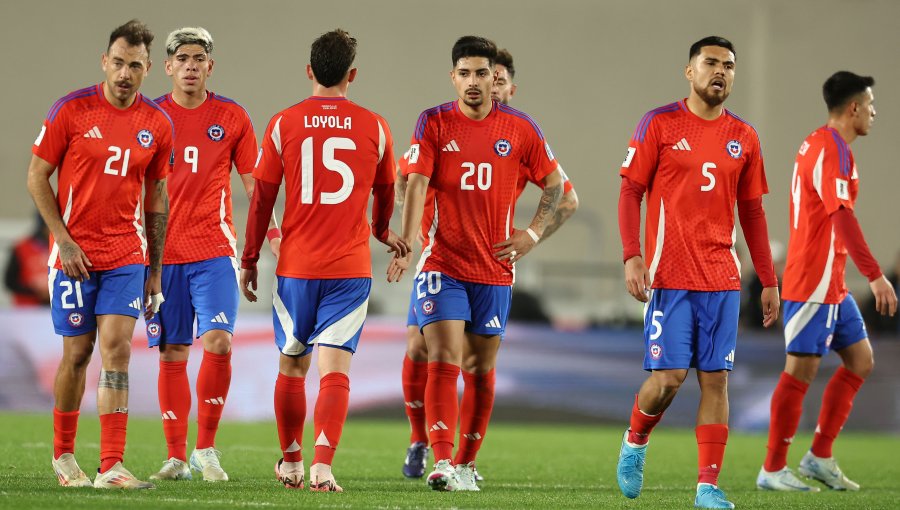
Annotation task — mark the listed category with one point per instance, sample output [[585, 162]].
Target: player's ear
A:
[[210, 70], [103, 60], [512, 90], [351, 75], [309, 73], [689, 72]]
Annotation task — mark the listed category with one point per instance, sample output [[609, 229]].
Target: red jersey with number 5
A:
[[825, 179], [330, 152], [694, 170], [209, 140], [474, 167], [103, 155]]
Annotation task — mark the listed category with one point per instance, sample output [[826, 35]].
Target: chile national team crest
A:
[[502, 147], [76, 319], [734, 149], [145, 138], [215, 132]]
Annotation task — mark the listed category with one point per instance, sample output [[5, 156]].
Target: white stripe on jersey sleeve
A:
[[276, 135]]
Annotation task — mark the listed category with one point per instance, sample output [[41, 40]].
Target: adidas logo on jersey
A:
[[439, 426], [451, 147], [220, 318], [94, 132], [495, 323], [169, 415], [216, 401], [136, 304], [682, 145]]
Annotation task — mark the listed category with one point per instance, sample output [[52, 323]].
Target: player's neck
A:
[[844, 127], [115, 102], [189, 100], [702, 109], [475, 112], [339, 90]]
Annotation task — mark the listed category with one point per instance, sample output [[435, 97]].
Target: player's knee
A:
[[416, 349], [217, 341], [474, 365], [174, 352], [78, 357], [861, 366], [714, 382], [116, 355]]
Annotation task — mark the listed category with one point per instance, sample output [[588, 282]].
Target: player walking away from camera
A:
[[471, 153], [108, 142], [331, 154], [213, 133], [478, 393], [820, 314], [695, 159]]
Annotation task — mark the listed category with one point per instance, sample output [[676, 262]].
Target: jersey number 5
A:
[[331, 163], [709, 175]]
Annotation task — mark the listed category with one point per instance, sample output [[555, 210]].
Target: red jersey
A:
[[474, 167], [209, 140], [330, 152], [694, 170], [103, 155], [824, 180]]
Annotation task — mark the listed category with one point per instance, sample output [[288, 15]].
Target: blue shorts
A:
[[691, 329], [324, 312], [440, 297], [411, 315], [205, 291], [814, 328], [74, 305]]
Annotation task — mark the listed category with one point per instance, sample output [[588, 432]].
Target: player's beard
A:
[[710, 96], [474, 103]]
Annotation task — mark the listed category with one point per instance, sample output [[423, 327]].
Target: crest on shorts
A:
[[154, 329], [145, 138], [502, 147], [76, 319], [428, 307], [655, 351], [734, 149], [215, 132]]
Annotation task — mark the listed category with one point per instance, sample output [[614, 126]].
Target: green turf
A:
[[526, 466]]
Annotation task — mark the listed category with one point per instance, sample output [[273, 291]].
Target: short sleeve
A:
[[245, 150], [422, 147], [269, 166], [386, 166], [164, 158], [752, 183], [538, 161], [837, 169], [53, 139], [642, 156]]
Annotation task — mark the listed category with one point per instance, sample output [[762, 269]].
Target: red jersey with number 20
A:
[[209, 140], [694, 170], [825, 179], [474, 167], [330, 152], [103, 155]]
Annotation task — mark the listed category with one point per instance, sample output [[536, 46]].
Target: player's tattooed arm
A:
[[549, 203], [568, 204], [157, 211]]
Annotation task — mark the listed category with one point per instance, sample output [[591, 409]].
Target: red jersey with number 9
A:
[[330, 152], [103, 155], [694, 170]]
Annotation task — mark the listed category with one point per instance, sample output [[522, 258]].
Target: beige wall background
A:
[[586, 70]]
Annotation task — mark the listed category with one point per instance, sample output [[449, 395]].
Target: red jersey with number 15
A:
[[103, 155], [209, 140], [474, 167], [694, 170], [330, 152]]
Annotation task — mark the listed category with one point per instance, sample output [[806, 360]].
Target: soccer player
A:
[[213, 133], [470, 152], [331, 153], [820, 314], [108, 142], [695, 159], [478, 395]]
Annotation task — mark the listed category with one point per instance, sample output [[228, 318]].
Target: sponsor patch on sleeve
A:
[[628, 157], [843, 189], [413, 153]]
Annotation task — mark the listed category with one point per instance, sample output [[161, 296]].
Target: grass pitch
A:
[[526, 466]]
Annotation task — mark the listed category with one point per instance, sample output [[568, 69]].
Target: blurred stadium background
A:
[[587, 71]]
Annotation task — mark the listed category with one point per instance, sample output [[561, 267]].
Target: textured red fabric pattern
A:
[[695, 170], [209, 140], [103, 156]]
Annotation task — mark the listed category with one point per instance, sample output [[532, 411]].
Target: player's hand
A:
[[514, 247], [396, 244], [153, 297], [885, 296], [398, 266], [275, 246], [637, 279], [771, 305], [74, 262], [248, 281]]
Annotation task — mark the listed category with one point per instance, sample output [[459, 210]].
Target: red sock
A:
[[711, 441], [442, 407], [330, 415], [65, 426], [174, 405], [837, 400], [113, 427], [213, 381], [290, 411], [787, 406], [474, 414], [415, 375], [641, 424]]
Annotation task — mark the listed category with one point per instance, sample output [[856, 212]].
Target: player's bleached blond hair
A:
[[188, 35]]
